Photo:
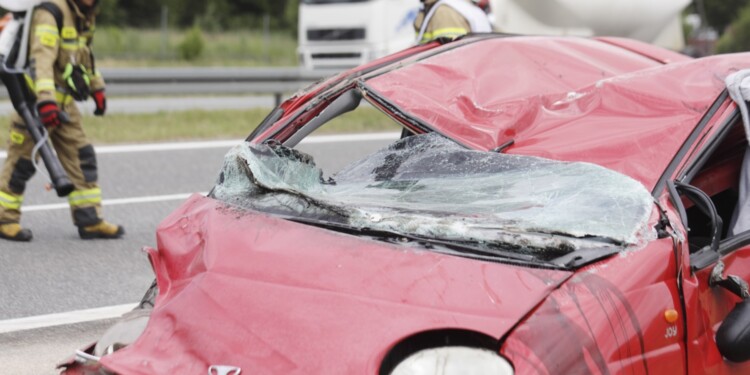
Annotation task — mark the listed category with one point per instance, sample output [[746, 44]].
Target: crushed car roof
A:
[[570, 99]]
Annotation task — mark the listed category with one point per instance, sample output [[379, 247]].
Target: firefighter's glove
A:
[[100, 99], [49, 113]]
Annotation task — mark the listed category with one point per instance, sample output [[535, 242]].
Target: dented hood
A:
[[271, 296]]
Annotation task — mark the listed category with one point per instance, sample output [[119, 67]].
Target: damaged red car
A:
[[553, 205]]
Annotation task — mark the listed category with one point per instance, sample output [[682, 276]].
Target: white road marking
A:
[[81, 316], [114, 149], [59, 319], [114, 202]]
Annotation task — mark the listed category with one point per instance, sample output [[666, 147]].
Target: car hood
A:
[[245, 289]]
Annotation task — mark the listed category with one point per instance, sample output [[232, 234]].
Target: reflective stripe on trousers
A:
[[88, 197], [10, 201]]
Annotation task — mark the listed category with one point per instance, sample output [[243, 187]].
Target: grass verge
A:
[[204, 125], [115, 47]]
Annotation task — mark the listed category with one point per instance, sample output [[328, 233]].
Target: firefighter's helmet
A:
[[482, 4]]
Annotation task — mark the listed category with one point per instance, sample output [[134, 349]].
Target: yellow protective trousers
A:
[[76, 156]]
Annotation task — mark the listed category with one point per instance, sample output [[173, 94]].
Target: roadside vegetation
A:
[[130, 47], [736, 38], [730, 19], [204, 125], [196, 33]]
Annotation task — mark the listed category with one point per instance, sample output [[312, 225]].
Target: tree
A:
[[720, 13], [214, 14], [111, 13], [737, 36]]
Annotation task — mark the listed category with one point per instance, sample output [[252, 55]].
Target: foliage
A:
[[737, 37], [111, 13], [115, 46], [720, 13], [135, 13], [290, 15], [213, 15], [192, 46]]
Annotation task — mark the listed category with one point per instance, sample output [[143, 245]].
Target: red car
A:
[[554, 205]]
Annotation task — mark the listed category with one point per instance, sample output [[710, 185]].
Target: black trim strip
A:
[[703, 259], [270, 119], [733, 243], [674, 197], [707, 257]]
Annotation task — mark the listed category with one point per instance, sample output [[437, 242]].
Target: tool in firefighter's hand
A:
[[24, 101], [64, 117]]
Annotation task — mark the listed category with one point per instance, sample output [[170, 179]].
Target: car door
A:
[[708, 191]]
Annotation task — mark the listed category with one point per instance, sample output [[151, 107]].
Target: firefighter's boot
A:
[[14, 232], [101, 230]]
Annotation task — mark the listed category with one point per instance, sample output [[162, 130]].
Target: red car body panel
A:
[[237, 289], [628, 306], [267, 295], [647, 114], [659, 54], [606, 60]]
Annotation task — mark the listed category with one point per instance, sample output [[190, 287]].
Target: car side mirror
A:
[[733, 336]]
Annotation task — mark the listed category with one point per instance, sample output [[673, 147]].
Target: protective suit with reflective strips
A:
[[449, 19], [61, 70]]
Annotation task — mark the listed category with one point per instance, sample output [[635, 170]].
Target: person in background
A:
[[450, 19], [62, 71]]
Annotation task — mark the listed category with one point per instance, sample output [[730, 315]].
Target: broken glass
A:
[[430, 187]]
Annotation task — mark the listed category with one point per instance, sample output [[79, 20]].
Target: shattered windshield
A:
[[431, 187]]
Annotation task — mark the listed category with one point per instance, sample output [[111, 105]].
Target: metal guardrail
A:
[[201, 81]]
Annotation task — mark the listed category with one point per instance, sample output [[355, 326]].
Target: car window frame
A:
[[706, 257]]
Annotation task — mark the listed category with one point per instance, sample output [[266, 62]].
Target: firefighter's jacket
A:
[[51, 51], [449, 19]]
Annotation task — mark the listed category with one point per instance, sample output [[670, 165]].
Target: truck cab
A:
[[338, 34]]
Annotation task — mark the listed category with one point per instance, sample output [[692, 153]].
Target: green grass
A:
[[205, 125], [116, 47]]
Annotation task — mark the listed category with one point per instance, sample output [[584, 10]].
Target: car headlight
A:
[[454, 361]]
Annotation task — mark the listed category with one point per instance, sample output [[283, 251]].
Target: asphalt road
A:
[[58, 273]]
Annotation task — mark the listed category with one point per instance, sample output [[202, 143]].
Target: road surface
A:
[[59, 279]]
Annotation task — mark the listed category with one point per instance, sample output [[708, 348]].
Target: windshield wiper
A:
[[454, 247]]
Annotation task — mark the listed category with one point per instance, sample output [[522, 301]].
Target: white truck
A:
[[347, 33]]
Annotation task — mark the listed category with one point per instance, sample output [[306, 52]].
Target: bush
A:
[[111, 40], [291, 14], [191, 47], [737, 37]]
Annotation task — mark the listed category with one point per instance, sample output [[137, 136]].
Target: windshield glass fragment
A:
[[430, 187]]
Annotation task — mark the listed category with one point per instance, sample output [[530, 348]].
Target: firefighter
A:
[[62, 71], [449, 19]]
